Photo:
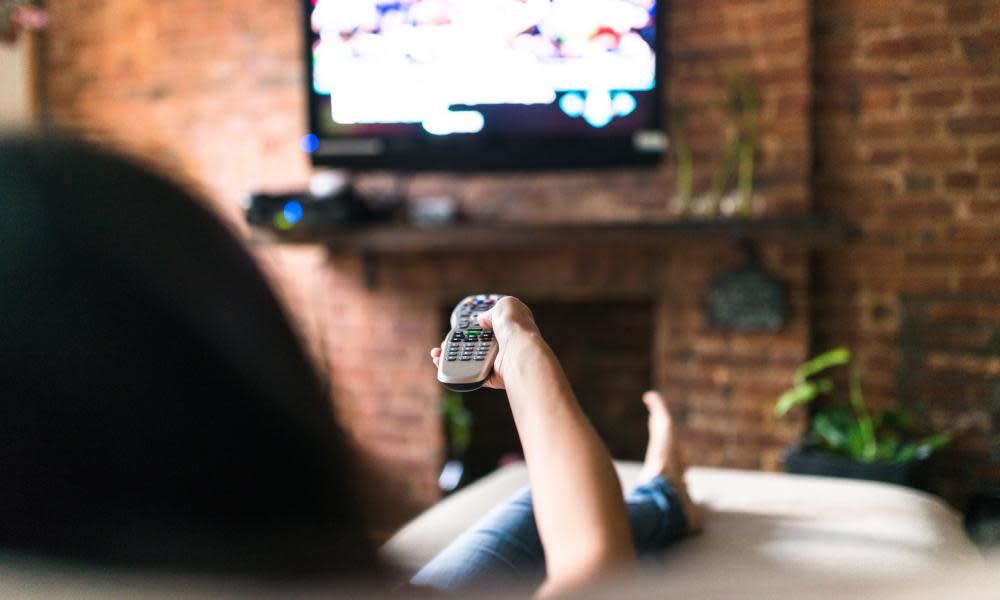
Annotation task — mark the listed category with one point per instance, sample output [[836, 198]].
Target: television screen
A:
[[455, 84]]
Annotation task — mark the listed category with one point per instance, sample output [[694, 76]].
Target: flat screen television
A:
[[454, 85]]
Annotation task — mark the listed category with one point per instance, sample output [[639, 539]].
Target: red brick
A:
[[879, 99], [964, 311], [948, 259], [975, 125], [985, 206], [962, 180], [910, 46], [920, 209], [980, 236], [964, 13], [884, 157], [982, 41], [935, 154], [942, 98], [986, 95], [988, 154], [918, 16]]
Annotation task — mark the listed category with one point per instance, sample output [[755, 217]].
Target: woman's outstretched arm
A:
[[579, 509]]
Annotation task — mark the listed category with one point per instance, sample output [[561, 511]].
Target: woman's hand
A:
[[514, 330]]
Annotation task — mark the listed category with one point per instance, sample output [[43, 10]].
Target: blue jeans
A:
[[504, 545]]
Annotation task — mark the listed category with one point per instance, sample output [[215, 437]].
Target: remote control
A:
[[467, 354]]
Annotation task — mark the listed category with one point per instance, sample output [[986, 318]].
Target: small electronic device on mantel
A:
[[504, 84], [468, 352]]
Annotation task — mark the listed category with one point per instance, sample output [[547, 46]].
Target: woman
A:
[[158, 412]]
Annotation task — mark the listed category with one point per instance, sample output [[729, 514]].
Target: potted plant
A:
[[844, 439], [458, 436]]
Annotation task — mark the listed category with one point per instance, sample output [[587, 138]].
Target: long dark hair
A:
[[156, 408]]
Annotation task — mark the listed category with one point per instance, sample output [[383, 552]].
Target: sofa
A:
[[766, 535]]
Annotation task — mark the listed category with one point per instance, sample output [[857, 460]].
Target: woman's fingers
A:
[[486, 319], [436, 356]]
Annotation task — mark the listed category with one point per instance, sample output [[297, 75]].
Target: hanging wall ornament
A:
[[748, 298]]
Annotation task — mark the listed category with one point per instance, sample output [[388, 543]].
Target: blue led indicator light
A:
[[292, 212], [309, 143]]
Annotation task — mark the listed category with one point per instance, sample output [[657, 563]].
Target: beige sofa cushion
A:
[[755, 523]]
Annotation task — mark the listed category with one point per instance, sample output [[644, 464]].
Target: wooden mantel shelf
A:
[[807, 232]]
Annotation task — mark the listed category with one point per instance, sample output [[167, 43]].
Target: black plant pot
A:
[[804, 461]]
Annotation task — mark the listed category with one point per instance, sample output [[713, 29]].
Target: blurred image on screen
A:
[[469, 66]]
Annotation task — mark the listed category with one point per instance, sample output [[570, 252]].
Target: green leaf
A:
[[923, 448], [832, 435], [822, 362], [869, 445], [857, 443], [887, 447], [803, 393], [907, 453]]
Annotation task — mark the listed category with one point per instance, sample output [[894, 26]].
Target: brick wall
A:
[[907, 131]]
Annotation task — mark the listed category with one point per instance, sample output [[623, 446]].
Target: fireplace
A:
[[623, 317]]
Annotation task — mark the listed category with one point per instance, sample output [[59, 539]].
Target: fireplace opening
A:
[[606, 351]]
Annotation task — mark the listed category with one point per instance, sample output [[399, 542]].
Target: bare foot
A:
[[663, 458]]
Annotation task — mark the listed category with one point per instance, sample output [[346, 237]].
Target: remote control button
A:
[[466, 358], [452, 358]]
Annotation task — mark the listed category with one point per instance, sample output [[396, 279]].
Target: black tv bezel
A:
[[462, 154]]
